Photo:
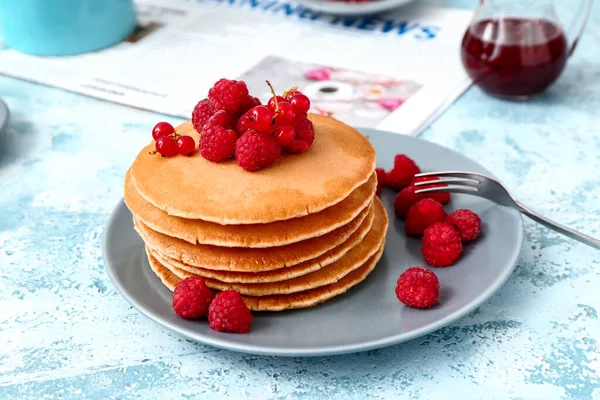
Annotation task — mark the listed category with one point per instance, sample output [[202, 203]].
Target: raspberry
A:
[[443, 198], [466, 222], [192, 298], [418, 287], [201, 114], [229, 313], [228, 95], [380, 179], [256, 150], [424, 213], [217, 143], [441, 245], [403, 172], [405, 200], [305, 135], [243, 124]]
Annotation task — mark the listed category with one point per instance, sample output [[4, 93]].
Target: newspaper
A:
[[395, 72]]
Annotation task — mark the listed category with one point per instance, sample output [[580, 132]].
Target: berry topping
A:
[[243, 124], [380, 179], [186, 145], [466, 222], [285, 135], [256, 150], [418, 287], [191, 298], [305, 135], [162, 129], [441, 197], [228, 95], [201, 114], [229, 313], [405, 200], [261, 118], [166, 146], [424, 213], [403, 172], [285, 115], [217, 143], [441, 245], [272, 104], [300, 103]]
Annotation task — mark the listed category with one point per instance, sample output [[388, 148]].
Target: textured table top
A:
[[66, 333]]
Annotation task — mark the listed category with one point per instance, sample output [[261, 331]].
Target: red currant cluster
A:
[[169, 143], [231, 122]]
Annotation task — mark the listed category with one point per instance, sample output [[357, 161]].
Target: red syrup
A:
[[514, 57]]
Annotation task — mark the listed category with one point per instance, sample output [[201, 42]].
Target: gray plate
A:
[[369, 315], [3, 116], [346, 8]]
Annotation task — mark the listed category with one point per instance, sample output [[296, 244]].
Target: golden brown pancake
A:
[[245, 259], [253, 235], [277, 275], [332, 273], [282, 302], [339, 161]]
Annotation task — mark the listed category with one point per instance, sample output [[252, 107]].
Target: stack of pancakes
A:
[[293, 235]]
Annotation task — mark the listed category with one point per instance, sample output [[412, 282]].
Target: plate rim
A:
[[324, 350]]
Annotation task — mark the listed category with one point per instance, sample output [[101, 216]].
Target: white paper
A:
[[395, 72]]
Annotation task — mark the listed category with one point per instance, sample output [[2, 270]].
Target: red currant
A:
[[162, 129], [285, 135], [166, 146], [271, 103], [261, 118], [300, 103], [186, 145], [285, 115], [292, 93]]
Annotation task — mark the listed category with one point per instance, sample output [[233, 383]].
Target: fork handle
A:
[[573, 234]]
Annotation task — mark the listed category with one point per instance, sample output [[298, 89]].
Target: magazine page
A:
[[395, 72]]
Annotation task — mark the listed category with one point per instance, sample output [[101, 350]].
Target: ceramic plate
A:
[[3, 116], [368, 316], [346, 8]]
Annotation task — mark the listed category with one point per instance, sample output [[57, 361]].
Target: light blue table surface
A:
[[66, 333]]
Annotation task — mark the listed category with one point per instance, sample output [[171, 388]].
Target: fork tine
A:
[[450, 189], [465, 181], [457, 174]]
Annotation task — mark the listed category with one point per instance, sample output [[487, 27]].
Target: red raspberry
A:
[[403, 172], [441, 245], [243, 124], [380, 179], [201, 114], [228, 95], [256, 150], [217, 143], [305, 135], [192, 298], [441, 197], [418, 287], [405, 200], [467, 222], [229, 313], [424, 213]]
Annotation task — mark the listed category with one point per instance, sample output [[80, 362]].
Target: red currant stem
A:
[[152, 152], [275, 99], [292, 89]]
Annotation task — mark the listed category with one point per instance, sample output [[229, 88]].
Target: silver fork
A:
[[484, 186]]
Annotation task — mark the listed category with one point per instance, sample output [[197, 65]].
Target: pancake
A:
[[244, 259], [339, 161], [330, 274], [277, 275], [306, 299], [254, 235]]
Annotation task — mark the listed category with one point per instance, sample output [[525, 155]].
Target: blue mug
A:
[[64, 27]]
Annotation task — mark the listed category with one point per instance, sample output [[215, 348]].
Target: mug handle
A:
[[579, 23]]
